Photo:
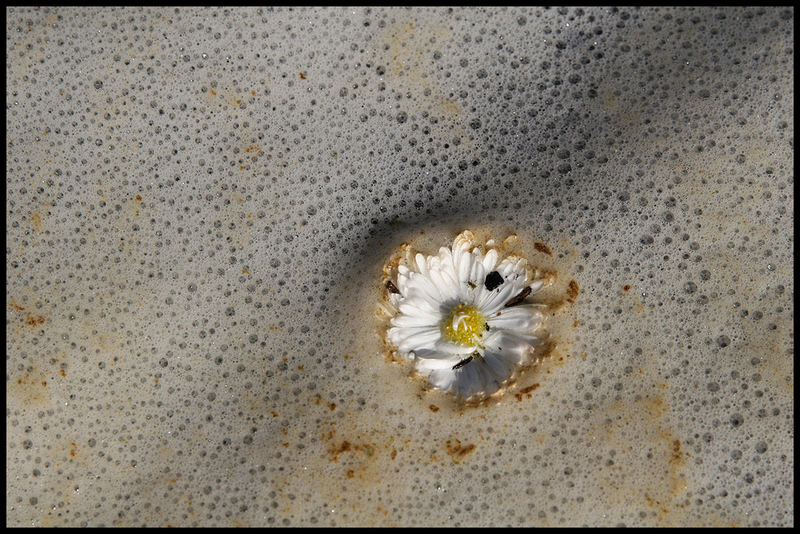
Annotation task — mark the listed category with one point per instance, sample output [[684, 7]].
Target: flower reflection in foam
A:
[[461, 316]]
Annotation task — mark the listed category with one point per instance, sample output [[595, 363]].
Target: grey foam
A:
[[199, 203]]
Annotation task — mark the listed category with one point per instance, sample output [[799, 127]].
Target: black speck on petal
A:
[[493, 279]]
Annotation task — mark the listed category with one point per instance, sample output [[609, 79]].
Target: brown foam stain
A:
[[29, 319], [572, 291], [28, 389], [526, 392], [228, 100], [33, 320], [773, 349], [318, 400], [457, 451], [36, 221], [635, 427], [359, 460], [407, 48], [541, 247]]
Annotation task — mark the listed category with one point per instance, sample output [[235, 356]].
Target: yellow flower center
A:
[[464, 325]]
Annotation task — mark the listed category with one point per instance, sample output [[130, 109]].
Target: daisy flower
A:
[[461, 317]]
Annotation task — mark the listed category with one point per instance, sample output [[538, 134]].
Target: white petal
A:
[[475, 377], [445, 283], [536, 286], [415, 303], [492, 301], [522, 318], [419, 340], [500, 366], [447, 347], [423, 287], [426, 365], [399, 334], [422, 264], [476, 274], [512, 264], [409, 320], [490, 261], [442, 378], [510, 346]]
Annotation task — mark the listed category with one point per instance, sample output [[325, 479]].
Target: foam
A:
[[200, 202]]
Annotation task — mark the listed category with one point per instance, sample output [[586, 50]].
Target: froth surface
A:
[[200, 203]]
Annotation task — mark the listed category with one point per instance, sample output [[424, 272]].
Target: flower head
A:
[[461, 317]]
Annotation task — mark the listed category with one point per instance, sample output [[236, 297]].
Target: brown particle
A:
[[572, 291], [677, 455], [526, 391], [302, 76], [433, 408], [30, 320], [455, 449], [391, 287], [626, 287], [336, 451], [519, 298], [541, 247]]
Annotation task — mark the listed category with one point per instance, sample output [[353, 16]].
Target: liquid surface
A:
[[200, 201]]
